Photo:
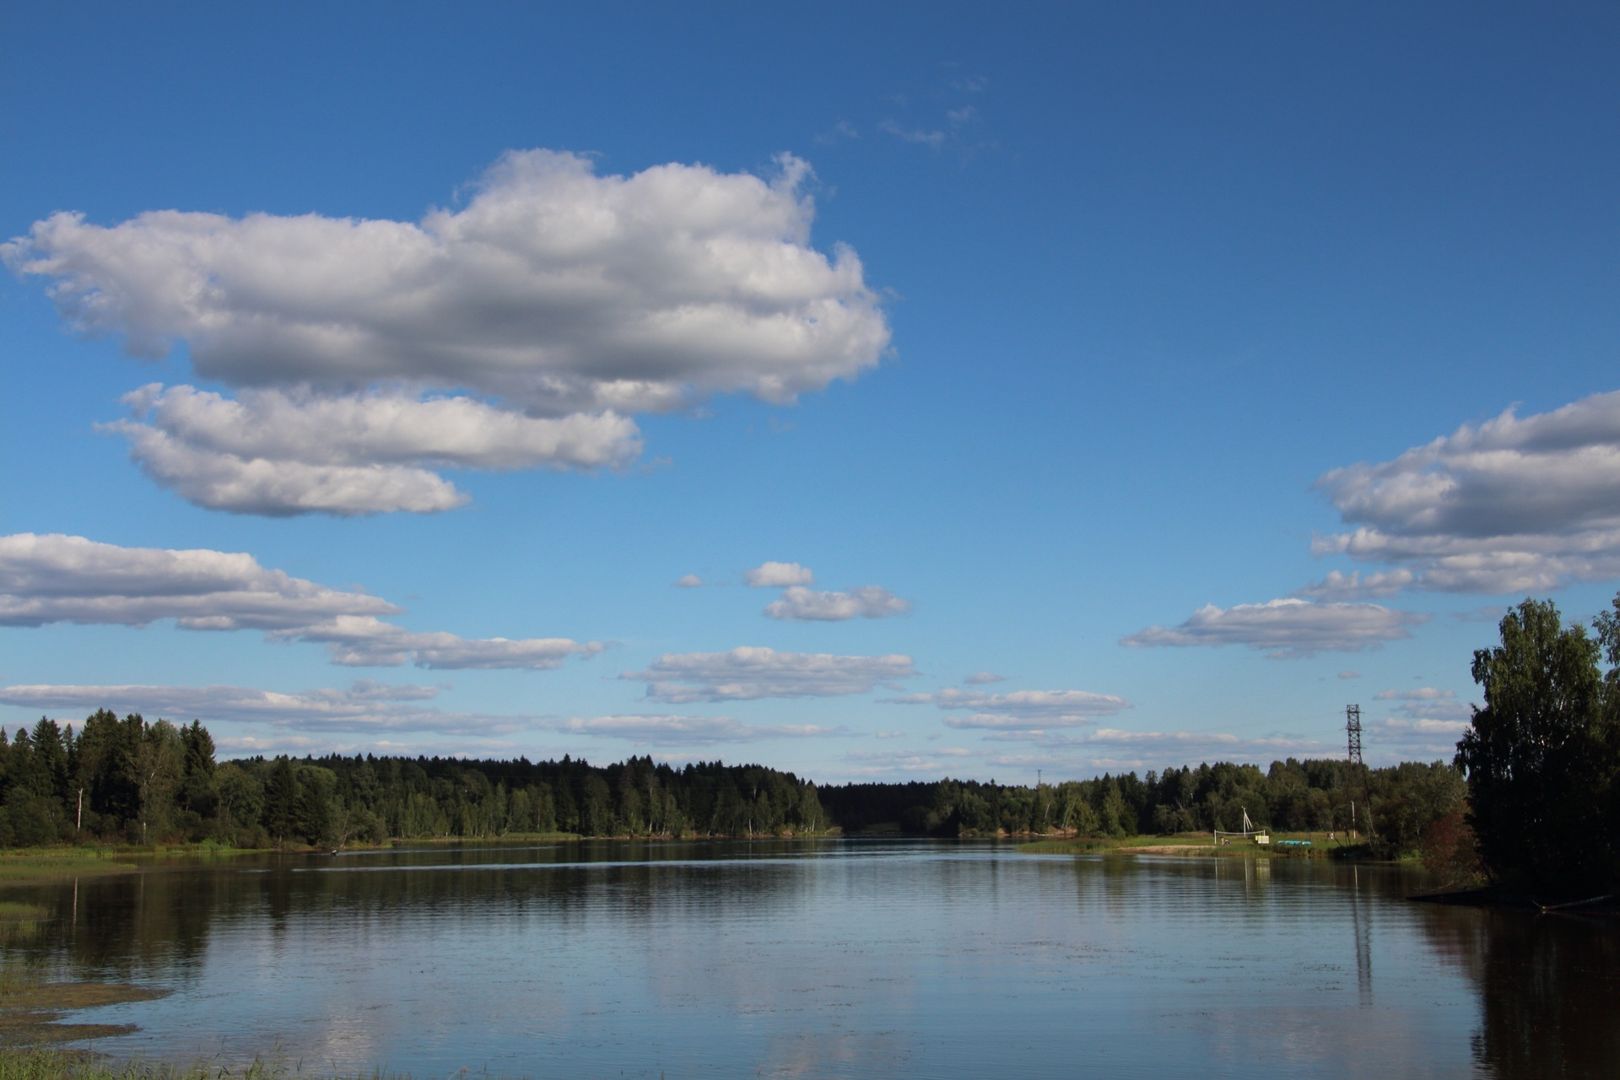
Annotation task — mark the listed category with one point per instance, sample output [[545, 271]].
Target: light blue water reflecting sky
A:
[[843, 960]]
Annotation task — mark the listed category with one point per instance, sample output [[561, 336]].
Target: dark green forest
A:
[[142, 782], [127, 779]]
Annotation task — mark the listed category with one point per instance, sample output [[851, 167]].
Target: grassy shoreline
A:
[[19, 1063], [38, 866], [1195, 845]]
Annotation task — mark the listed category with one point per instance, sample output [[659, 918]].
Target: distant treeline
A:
[[145, 782], [1401, 802]]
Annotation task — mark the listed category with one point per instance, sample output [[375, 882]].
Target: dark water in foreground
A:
[[832, 959]]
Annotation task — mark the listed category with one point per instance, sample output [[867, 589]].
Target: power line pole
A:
[[1358, 768], [1352, 727]]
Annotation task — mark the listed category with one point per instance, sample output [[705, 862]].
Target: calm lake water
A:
[[832, 959]]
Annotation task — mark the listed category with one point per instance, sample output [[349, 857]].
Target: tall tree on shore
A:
[[1535, 758]]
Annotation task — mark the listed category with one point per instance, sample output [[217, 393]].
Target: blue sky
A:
[[1110, 387]]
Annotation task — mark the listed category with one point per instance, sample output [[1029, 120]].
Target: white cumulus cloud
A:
[[1285, 628], [750, 672], [55, 578], [1422, 693], [277, 452], [665, 730], [1020, 710], [1512, 505], [865, 602], [1430, 705], [777, 575], [516, 331]]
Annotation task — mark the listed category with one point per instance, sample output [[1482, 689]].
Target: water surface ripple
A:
[[832, 959]]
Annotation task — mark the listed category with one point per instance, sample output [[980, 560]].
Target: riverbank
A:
[[36, 1064], [37, 866], [1284, 845], [1493, 897]]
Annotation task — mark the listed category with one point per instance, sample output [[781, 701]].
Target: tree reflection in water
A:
[[1549, 989]]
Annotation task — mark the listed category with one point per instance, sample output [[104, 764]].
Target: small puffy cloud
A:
[[1286, 628], [1428, 704], [929, 137], [865, 602], [275, 452], [689, 730], [778, 575], [1347, 674], [842, 131], [1405, 737], [749, 672], [689, 581], [984, 678], [1358, 586], [933, 763], [362, 641], [516, 331], [1020, 710], [1422, 693], [1513, 505], [56, 578], [989, 721]]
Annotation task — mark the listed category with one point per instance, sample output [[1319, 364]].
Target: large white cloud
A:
[[1512, 505], [1286, 628], [750, 672], [55, 578], [554, 292], [864, 602]]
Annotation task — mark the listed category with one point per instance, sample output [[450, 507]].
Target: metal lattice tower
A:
[[1352, 727]]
